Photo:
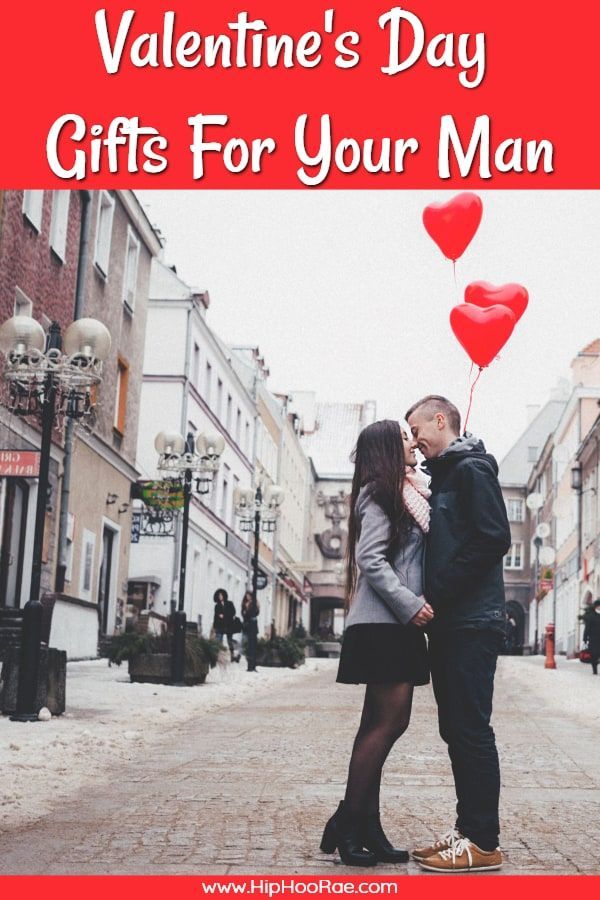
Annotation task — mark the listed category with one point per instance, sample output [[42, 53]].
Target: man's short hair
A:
[[433, 404]]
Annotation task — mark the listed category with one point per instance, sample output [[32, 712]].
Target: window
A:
[[87, 564], [514, 557], [23, 305], [196, 366], [515, 509], [121, 397], [132, 255], [236, 484], [33, 202], [229, 412], [59, 223], [248, 439], [208, 383], [532, 454], [219, 408], [106, 209], [238, 426], [225, 497], [214, 492]]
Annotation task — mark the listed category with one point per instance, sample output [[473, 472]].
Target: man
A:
[[463, 575]]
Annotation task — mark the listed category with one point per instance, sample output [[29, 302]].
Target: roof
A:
[[330, 445], [516, 466], [591, 349]]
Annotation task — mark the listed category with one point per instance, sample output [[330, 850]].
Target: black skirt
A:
[[383, 654]]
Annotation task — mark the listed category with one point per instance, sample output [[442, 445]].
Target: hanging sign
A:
[[19, 463]]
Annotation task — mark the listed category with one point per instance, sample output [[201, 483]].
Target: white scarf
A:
[[415, 494]]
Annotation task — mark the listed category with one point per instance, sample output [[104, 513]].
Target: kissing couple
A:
[[424, 594]]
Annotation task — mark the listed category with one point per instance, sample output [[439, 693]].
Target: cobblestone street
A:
[[248, 789]]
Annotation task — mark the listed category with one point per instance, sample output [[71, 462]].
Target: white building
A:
[[190, 386], [576, 422], [296, 479], [279, 459]]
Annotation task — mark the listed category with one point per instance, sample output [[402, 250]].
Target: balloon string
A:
[[471, 398], [458, 300]]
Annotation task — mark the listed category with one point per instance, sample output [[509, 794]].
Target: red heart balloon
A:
[[452, 225], [484, 294], [482, 332]]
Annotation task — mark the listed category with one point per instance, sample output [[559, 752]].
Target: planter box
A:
[[273, 661], [155, 668], [328, 649], [51, 686]]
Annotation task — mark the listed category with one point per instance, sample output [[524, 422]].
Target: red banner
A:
[[465, 887], [19, 464], [347, 95]]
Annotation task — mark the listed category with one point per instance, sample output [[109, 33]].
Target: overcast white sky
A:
[[346, 294]]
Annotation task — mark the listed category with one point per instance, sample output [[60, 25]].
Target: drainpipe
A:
[[183, 430], [65, 492]]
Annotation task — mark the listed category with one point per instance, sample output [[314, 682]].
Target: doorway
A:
[[106, 577], [14, 495]]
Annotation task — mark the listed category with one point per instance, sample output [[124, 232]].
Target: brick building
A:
[[39, 255], [65, 255]]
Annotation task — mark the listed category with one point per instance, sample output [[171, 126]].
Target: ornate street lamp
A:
[[180, 461], [51, 379], [253, 510]]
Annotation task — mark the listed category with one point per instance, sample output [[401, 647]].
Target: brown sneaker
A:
[[463, 856], [442, 843]]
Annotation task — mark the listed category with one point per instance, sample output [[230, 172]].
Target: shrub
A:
[[280, 651], [129, 645], [299, 632]]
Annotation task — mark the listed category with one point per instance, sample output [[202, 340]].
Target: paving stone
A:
[[248, 790]]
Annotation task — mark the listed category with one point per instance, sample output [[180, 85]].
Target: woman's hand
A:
[[424, 616]]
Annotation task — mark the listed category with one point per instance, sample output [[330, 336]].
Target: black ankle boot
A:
[[374, 839], [343, 833]]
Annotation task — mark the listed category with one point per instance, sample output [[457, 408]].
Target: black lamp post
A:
[[179, 458], [255, 511], [47, 384]]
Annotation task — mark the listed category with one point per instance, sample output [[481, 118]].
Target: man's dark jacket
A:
[[468, 538]]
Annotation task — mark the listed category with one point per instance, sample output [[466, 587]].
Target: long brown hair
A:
[[379, 463]]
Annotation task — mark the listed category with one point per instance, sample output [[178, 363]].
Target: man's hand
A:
[[424, 616]]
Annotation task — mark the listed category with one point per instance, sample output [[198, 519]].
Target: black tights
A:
[[385, 716]]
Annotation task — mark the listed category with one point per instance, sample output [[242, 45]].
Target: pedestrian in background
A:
[[591, 635], [223, 622], [250, 611]]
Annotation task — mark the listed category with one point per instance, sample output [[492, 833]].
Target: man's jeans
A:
[[463, 663]]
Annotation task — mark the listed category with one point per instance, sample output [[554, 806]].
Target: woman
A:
[[250, 611], [384, 643], [223, 620]]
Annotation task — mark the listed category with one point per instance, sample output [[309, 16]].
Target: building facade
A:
[[66, 255], [330, 431], [190, 386], [514, 475], [121, 245], [39, 262]]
